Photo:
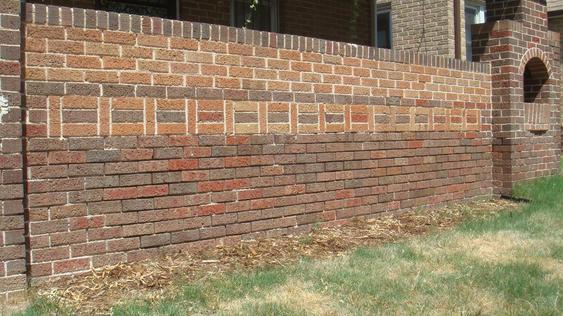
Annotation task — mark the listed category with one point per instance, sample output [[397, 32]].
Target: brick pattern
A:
[[148, 135], [96, 201], [537, 117], [90, 82], [12, 249], [515, 34], [533, 13], [70, 116], [418, 26], [424, 26]]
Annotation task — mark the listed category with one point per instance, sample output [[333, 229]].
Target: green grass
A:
[[510, 265]]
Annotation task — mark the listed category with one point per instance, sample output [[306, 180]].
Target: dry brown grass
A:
[[295, 293], [152, 280]]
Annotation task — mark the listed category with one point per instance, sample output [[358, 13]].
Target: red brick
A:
[[211, 209], [120, 193], [237, 162], [153, 190], [86, 222], [71, 265], [87, 249], [182, 164], [355, 154], [50, 254], [211, 186]]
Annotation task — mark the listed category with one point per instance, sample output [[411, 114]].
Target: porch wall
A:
[[330, 20], [149, 136], [419, 26]]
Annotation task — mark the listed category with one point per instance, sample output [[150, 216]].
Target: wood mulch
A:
[[97, 291]]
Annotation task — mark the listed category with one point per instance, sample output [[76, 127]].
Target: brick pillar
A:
[[516, 42], [424, 26], [12, 245], [527, 11]]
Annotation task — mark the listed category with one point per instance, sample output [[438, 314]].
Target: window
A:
[[474, 14], [383, 33], [260, 15], [160, 8]]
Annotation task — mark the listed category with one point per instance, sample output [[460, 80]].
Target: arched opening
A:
[[535, 77]]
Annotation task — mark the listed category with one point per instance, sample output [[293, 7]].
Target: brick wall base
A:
[[110, 200]]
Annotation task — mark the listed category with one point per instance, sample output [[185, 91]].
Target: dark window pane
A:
[[470, 16], [241, 13], [160, 8], [384, 30], [259, 18]]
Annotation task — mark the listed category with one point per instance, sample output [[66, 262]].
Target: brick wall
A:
[[556, 25], [12, 249], [420, 26], [147, 135]]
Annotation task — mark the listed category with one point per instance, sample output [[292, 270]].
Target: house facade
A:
[[134, 128]]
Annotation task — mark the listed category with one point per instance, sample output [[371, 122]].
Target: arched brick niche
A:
[[535, 79], [536, 88]]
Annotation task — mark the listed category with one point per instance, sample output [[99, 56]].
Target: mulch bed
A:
[[96, 292]]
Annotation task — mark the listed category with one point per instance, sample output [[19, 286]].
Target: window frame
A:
[[381, 9], [274, 15], [479, 9]]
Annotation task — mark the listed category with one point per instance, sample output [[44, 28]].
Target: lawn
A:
[[509, 265]]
